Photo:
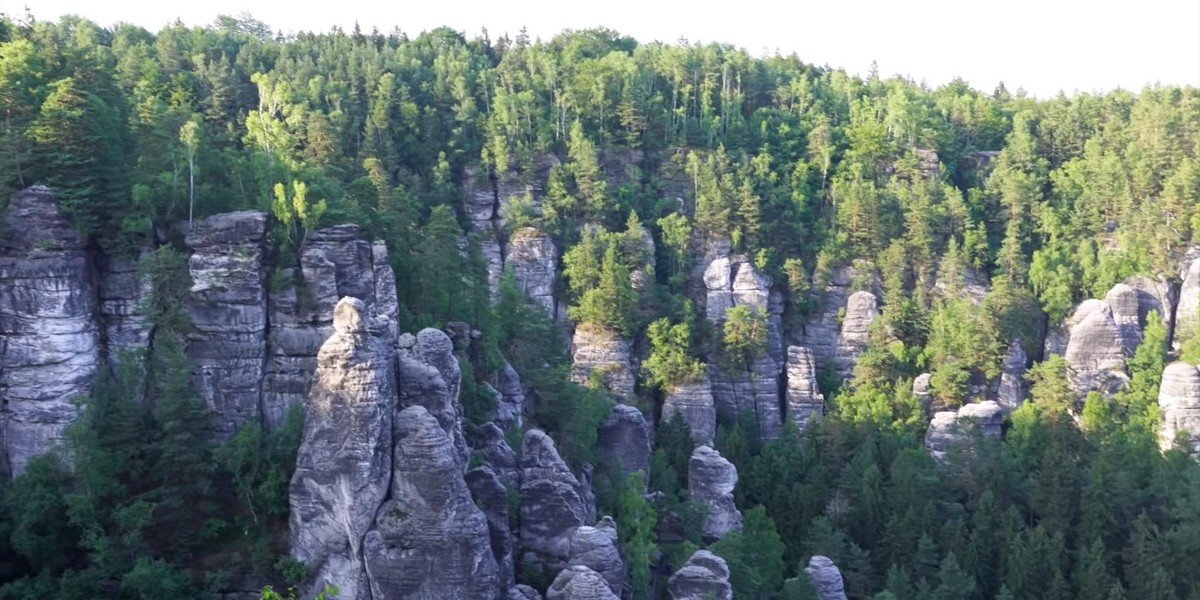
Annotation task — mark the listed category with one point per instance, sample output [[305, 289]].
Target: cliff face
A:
[[49, 332]]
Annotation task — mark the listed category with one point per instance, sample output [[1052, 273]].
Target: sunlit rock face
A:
[[1179, 401]]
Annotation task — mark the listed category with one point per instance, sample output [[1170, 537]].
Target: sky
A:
[[1041, 46]]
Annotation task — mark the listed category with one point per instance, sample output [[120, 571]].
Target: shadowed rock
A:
[[579, 583], [693, 401], [533, 258], [826, 578], [598, 353], [623, 441], [711, 480], [805, 403], [552, 505], [429, 375], [597, 548], [704, 576]]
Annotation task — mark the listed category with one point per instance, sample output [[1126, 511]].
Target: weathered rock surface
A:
[[705, 576], [579, 583], [1123, 301], [491, 495], [523, 592], [344, 465], [1155, 294], [597, 548], [49, 337], [949, 428], [1010, 387], [1179, 400], [510, 404], [428, 375], [533, 258], [1096, 349], [122, 291], [805, 403], [334, 263], [430, 541], [1187, 311], [752, 389], [861, 310], [623, 441], [488, 442], [552, 505], [923, 390], [227, 305], [711, 480], [603, 354], [826, 578], [823, 328], [693, 401]]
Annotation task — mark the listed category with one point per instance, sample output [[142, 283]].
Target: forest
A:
[[980, 220]]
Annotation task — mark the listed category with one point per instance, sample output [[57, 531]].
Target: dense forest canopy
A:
[[932, 195]]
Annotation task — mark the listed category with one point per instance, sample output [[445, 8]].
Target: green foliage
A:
[[670, 363], [636, 521], [611, 304], [754, 555], [745, 335]]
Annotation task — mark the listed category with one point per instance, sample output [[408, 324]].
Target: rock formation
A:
[[122, 291], [1155, 294], [49, 337], [491, 495], [1010, 387], [861, 310], [826, 578], [597, 548], [227, 306], [1096, 349], [488, 442], [428, 375], [430, 541], [1123, 301], [1187, 311], [603, 355], [523, 592], [923, 389], [510, 404], [704, 576], [579, 583], [552, 505], [533, 258], [624, 441], [824, 326], [344, 464], [949, 428], [1179, 400], [334, 263], [693, 401], [711, 480], [805, 403]]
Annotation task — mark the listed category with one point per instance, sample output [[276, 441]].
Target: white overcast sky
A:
[[1042, 46]]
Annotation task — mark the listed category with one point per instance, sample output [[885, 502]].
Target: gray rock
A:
[[491, 495], [533, 258], [624, 441], [805, 403], [523, 592], [704, 576], [488, 442], [49, 337], [1096, 349], [823, 328], [923, 390], [753, 389], [694, 403], [711, 480], [344, 464], [122, 293], [597, 548], [861, 310], [1011, 390], [826, 578], [479, 196], [1187, 311], [579, 583], [510, 406], [430, 541], [1155, 294], [227, 305], [334, 263], [1123, 301], [603, 354], [949, 428], [429, 375], [552, 505], [1179, 401]]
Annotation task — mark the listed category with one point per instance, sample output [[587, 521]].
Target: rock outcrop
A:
[[824, 326], [523, 592], [344, 465], [923, 389], [1155, 294], [705, 576], [49, 337], [227, 305], [552, 505], [334, 263], [1179, 400], [1096, 349], [488, 442], [510, 404], [579, 583], [122, 291], [805, 403], [861, 310], [597, 548], [1010, 389], [430, 541], [711, 480], [533, 258], [949, 428], [826, 578], [1123, 301], [693, 401], [1187, 311], [491, 495], [428, 375], [624, 441], [603, 355]]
